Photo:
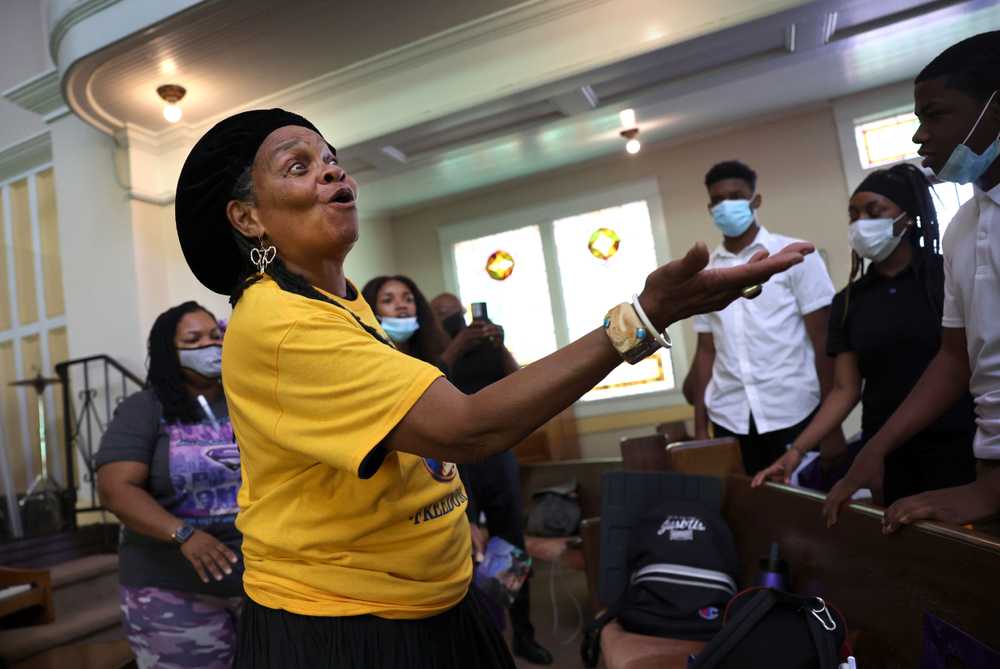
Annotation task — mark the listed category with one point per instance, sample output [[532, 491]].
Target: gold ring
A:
[[751, 292]]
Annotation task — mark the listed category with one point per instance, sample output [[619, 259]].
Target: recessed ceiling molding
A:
[[382, 72], [80, 29], [40, 94], [25, 155], [790, 38], [394, 153], [67, 13], [829, 26]]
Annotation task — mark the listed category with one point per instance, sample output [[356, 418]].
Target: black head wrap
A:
[[205, 188], [893, 185]]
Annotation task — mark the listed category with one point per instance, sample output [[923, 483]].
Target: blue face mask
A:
[[400, 329], [732, 217], [965, 165]]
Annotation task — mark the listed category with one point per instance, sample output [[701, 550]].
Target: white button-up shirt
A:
[[972, 301], [764, 359]]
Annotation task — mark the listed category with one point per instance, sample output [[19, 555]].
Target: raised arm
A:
[[451, 426]]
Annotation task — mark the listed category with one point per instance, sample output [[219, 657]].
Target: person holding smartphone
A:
[[475, 359]]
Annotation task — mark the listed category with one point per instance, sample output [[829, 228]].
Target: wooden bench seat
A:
[[624, 650]]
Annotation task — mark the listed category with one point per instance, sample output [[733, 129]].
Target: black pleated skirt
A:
[[463, 637]]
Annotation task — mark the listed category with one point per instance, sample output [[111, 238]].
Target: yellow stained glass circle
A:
[[500, 265], [604, 243]]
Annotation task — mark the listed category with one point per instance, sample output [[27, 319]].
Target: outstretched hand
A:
[[683, 287]]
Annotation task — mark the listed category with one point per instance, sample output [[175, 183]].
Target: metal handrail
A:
[[89, 419]]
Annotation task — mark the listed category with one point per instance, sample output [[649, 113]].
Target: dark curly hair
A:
[[731, 169], [427, 343], [164, 377]]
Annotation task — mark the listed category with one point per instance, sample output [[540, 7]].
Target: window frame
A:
[[544, 215], [40, 328]]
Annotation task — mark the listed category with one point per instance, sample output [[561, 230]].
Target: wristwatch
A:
[[182, 533]]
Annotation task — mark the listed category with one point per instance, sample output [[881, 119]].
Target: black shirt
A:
[[478, 368], [895, 333], [194, 473]]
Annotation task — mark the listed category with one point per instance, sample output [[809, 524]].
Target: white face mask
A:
[[872, 238]]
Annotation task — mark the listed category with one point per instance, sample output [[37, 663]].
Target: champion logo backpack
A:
[[683, 568]]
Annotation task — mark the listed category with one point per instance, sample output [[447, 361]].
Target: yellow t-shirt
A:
[[311, 395]]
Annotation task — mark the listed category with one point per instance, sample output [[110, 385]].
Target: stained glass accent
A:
[[500, 265], [604, 243]]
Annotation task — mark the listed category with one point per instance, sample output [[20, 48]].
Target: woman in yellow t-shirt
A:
[[355, 543]]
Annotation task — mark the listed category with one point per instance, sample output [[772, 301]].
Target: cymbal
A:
[[38, 382]]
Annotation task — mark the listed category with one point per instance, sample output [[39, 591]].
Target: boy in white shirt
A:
[[957, 100], [761, 366]]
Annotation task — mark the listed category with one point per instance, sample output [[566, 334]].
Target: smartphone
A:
[[479, 311]]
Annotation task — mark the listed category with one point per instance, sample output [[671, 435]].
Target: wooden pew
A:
[[20, 607], [644, 454], [674, 431], [882, 585], [708, 457]]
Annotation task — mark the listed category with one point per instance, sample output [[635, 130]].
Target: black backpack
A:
[[683, 568], [779, 630]]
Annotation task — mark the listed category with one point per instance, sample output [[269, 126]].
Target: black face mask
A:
[[454, 323]]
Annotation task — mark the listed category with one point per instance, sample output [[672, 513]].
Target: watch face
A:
[[183, 534]]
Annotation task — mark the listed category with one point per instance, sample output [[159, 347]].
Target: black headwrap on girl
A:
[[205, 188], [907, 186], [893, 185]]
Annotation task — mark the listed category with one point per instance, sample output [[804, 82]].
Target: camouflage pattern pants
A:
[[169, 629]]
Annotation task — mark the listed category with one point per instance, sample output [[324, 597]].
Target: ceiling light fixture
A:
[[171, 94], [630, 131]]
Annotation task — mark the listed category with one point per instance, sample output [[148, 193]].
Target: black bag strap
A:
[[590, 648], [736, 629]]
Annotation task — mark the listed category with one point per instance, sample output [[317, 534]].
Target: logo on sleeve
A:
[[439, 470]]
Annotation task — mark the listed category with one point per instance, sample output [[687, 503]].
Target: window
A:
[[590, 285], [886, 140], [558, 290], [521, 302], [32, 323]]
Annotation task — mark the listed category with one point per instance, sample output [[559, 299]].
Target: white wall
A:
[[97, 246], [23, 55], [375, 252]]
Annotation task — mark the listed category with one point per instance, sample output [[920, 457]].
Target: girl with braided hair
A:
[[885, 327]]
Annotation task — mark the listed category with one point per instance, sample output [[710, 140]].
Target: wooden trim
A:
[[630, 419]]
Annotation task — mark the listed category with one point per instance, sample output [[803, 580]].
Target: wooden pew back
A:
[[883, 585], [645, 454]]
